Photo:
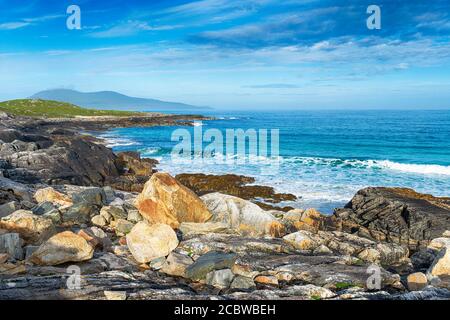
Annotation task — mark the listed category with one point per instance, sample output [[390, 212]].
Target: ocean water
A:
[[324, 156]]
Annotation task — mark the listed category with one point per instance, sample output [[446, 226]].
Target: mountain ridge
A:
[[111, 100]]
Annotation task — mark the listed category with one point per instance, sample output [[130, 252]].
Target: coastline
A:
[[62, 184]]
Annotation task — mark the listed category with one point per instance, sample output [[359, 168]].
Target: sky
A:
[[258, 54]]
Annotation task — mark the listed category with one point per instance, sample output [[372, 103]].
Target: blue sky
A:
[[233, 53]]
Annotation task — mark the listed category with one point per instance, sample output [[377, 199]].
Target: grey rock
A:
[[394, 215], [134, 216], [243, 283], [220, 278], [11, 244], [8, 208], [43, 208], [123, 227], [208, 262], [157, 264], [23, 192], [29, 250], [90, 196], [117, 212], [110, 194], [80, 213], [176, 264]]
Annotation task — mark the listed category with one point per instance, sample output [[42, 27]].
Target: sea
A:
[[324, 157]]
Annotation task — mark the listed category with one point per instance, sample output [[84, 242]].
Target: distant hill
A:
[[111, 100], [55, 109]]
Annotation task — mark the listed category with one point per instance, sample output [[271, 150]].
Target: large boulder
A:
[[148, 242], [32, 228], [394, 215], [242, 215], [165, 200], [61, 248]]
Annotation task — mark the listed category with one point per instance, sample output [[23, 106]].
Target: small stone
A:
[[370, 255], [115, 295], [446, 234], [267, 280], [51, 195], [29, 250], [134, 216], [115, 211], [54, 215], [322, 250], [96, 237], [79, 213], [243, 283], [157, 263], [417, 281], [123, 227], [302, 240], [220, 278], [43, 207], [284, 276], [176, 264], [109, 193], [120, 250], [8, 208], [123, 241], [10, 243], [92, 196], [99, 221]]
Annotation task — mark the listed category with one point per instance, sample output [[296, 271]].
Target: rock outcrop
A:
[[394, 215]]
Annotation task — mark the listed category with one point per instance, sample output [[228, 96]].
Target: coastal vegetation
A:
[[56, 109]]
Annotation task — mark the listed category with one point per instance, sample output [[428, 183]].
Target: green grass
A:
[[55, 109], [344, 285]]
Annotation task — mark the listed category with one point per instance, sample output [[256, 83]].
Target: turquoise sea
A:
[[324, 156]]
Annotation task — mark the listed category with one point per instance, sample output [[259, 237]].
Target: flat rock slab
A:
[[208, 262]]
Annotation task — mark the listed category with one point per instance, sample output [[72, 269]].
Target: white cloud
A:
[[13, 25]]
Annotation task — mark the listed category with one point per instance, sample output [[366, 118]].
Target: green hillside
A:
[[55, 109]]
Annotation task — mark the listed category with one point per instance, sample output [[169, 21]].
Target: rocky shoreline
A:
[[68, 204]]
